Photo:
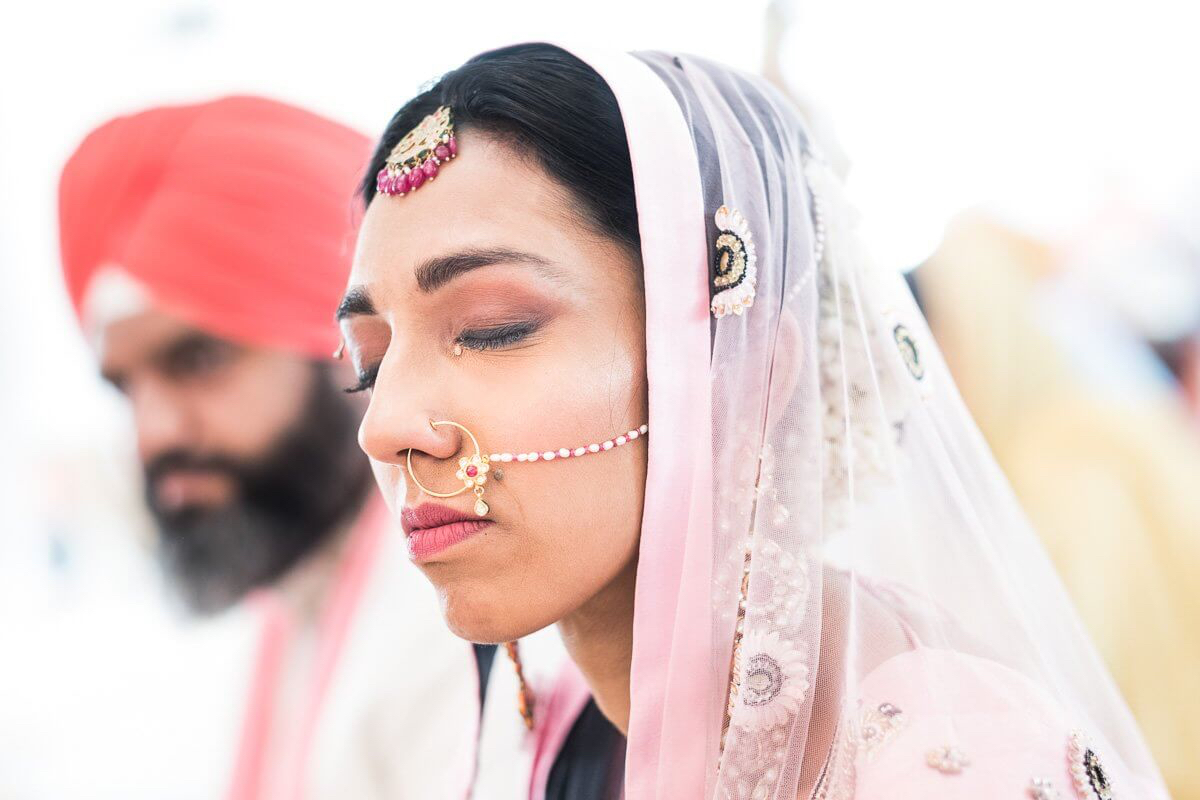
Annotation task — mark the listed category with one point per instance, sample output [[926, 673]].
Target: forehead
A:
[[487, 197]]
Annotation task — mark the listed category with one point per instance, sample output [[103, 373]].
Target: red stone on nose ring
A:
[[472, 470]]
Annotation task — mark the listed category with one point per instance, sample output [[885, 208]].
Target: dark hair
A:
[[549, 104]]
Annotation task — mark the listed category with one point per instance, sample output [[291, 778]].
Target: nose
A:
[[400, 417], [162, 421]]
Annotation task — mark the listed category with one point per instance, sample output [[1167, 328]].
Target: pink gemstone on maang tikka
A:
[[389, 183], [419, 155]]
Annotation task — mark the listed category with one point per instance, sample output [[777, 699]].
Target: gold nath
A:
[[472, 470]]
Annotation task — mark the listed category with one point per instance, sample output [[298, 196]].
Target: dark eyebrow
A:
[[355, 301], [173, 349], [436, 272]]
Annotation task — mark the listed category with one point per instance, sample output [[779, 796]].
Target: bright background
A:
[[1049, 114]]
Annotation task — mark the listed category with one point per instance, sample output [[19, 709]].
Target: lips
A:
[[174, 489], [433, 528]]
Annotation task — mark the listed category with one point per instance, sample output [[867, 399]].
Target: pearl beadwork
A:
[[1042, 789], [947, 760], [574, 452]]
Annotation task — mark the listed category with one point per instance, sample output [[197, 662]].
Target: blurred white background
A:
[[1046, 112]]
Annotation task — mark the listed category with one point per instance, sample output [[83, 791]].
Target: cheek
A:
[[584, 520], [565, 531], [566, 528], [245, 409], [391, 485]]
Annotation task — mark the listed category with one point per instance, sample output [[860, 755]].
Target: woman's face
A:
[[548, 314]]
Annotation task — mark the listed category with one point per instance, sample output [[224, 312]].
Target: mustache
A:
[[181, 459], [289, 497]]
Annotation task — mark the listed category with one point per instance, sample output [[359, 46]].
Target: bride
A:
[[632, 376]]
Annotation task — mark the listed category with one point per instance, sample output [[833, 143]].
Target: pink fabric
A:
[[1009, 730], [666, 754], [250, 760], [841, 442], [352, 575]]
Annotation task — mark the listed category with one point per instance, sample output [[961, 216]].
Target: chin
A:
[[476, 618]]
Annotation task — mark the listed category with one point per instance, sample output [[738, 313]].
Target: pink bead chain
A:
[[569, 452]]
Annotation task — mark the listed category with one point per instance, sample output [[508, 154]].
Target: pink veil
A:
[[824, 527]]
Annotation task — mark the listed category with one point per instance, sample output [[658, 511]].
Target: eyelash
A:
[[497, 337], [366, 379], [494, 338]]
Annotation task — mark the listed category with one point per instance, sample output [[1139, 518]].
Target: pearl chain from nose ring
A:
[[573, 452]]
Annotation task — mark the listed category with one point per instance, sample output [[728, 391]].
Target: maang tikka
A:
[[418, 156], [473, 469]]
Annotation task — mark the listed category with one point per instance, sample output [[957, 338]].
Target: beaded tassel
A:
[[524, 696]]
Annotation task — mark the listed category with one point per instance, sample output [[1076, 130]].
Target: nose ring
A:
[[472, 470]]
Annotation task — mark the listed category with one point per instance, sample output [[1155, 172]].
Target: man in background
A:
[[204, 248]]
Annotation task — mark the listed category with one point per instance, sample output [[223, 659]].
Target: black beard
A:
[[288, 503]]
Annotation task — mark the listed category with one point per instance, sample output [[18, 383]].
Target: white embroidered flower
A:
[[772, 682]]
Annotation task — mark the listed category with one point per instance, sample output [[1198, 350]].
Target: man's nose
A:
[[162, 421]]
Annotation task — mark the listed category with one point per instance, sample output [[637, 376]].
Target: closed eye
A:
[[498, 336], [366, 380]]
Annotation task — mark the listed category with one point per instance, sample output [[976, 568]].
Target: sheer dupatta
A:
[[824, 529]]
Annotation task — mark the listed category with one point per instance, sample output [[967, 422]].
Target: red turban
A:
[[238, 215]]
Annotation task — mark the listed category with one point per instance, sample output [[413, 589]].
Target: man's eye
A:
[[195, 359]]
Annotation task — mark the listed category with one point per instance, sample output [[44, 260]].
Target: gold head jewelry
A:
[[418, 156], [472, 470]]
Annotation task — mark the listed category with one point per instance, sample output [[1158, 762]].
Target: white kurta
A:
[[376, 700]]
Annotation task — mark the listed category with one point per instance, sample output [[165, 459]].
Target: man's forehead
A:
[[123, 323], [131, 340]]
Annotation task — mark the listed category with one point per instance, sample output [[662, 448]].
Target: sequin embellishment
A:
[[909, 351], [1091, 781], [878, 725], [736, 264]]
